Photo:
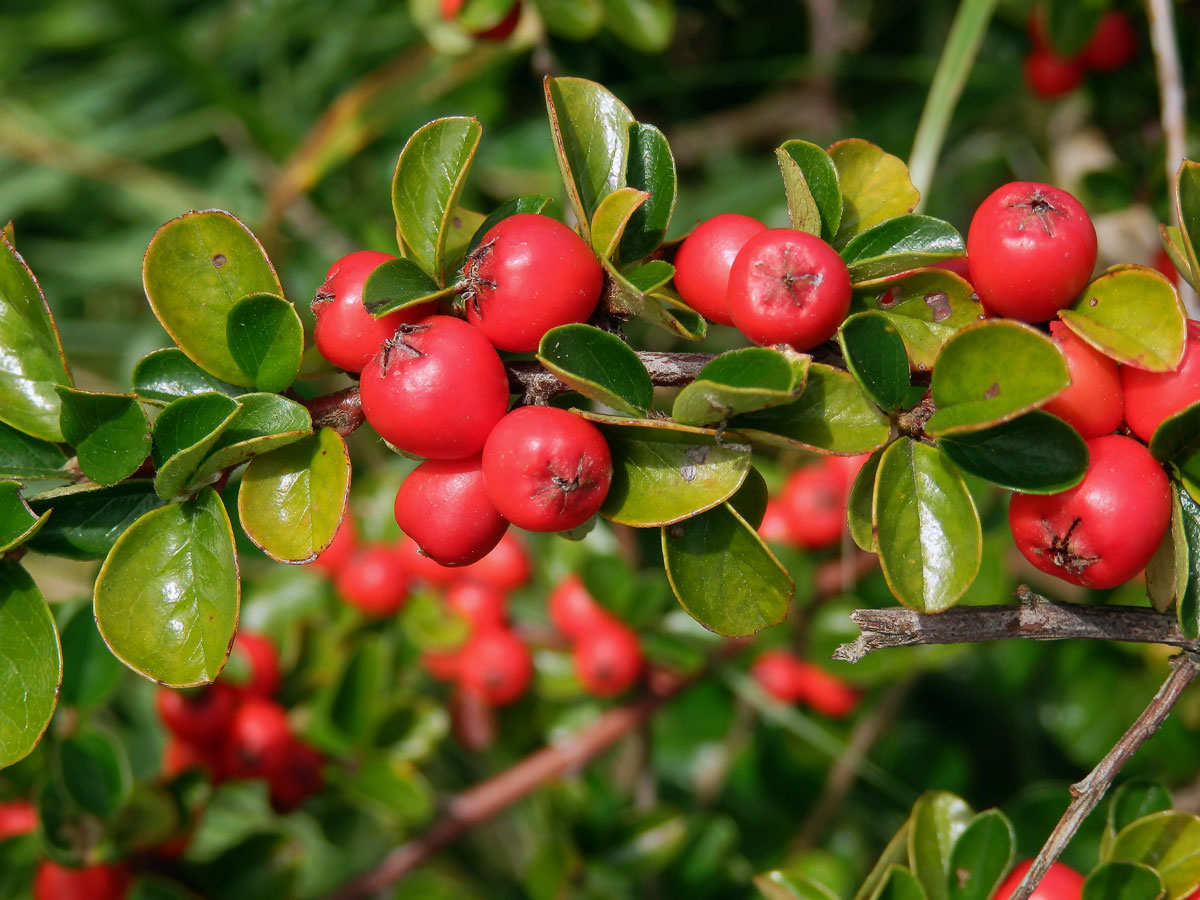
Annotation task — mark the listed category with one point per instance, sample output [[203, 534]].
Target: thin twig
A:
[[1087, 793]]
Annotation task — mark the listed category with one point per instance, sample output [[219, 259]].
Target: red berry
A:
[[573, 611], [444, 506], [1162, 262], [774, 526], [1103, 531], [483, 605], [420, 567], [98, 882], [529, 274], [346, 334], [788, 287], [261, 661], [1151, 397], [297, 776], [825, 693], [1032, 249], [1060, 882], [1049, 75], [496, 665], [374, 582], [435, 389], [778, 673], [504, 28], [608, 659], [1093, 403], [259, 739], [180, 756], [450, 8], [546, 469], [1112, 45], [813, 504], [704, 259], [959, 266], [338, 553], [507, 567], [17, 817], [442, 664], [199, 715]]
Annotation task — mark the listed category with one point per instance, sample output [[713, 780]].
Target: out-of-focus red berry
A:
[[336, 555], [261, 661], [17, 817]]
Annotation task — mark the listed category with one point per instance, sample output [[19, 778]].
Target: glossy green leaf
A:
[[598, 365], [651, 168], [899, 883], [18, 522], [645, 25], [784, 885], [1187, 205], [1177, 440], [832, 414], [875, 187], [1168, 572], [1132, 314], [612, 216], [530, 203], [167, 596], [1070, 23], [165, 375], [930, 541], [90, 672], [724, 575], [590, 130], [993, 372], [184, 433], [22, 456], [741, 381], [928, 306], [860, 514], [1167, 841], [291, 500], [1134, 799], [938, 819], [1122, 881], [32, 664], [810, 181], [94, 772], [875, 355], [1036, 453], [110, 433], [31, 354], [664, 472], [642, 293], [575, 20], [89, 518], [981, 856], [751, 499], [266, 340], [427, 183], [899, 245], [355, 701], [1189, 604], [1173, 242], [264, 423], [894, 854], [396, 284], [196, 269]]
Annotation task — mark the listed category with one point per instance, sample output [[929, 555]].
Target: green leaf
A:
[[832, 414], [810, 181], [981, 856], [859, 513], [724, 575], [611, 217], [266, 340], [1122, 881], [894, 854], [90, 672], [1134, 799], [184, 433], [1187, 205], [32, 669], [575, 20], [664, 472], [900, 884], [938, 819], [645, 25], [264, 423], [167, 596], [110, 433], [165, 375], [875, 355], [993, 372], [741, 381], [784, 885], [93, 772], [598, 365], [590, 129], [530, 203], [1167, 841], [196, 269], [1189, 604], [31, 354], [398, 284], [428, 181], [1132, 314], [900, 245], [1173, 242], [875, 187], [642, 293], [89, 518], [928, 306], [1177, 440], [22, 456], [930, 542], [355, 701], [1167, 573], [1070, 23], [1036, 453], [651, 168], [292, 500], [18, 523]]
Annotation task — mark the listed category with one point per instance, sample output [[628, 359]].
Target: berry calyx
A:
[[703, 261], [608, 659], [374, 581], [1094, 402], [444, 506], [496, 666]]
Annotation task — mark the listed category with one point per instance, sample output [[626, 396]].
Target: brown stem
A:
[[341, 411]]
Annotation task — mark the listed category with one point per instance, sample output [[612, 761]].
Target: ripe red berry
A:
[[17, 817], [497, 666], [546, 469], [259, 739], [442, 664], [297, 776], [375, 581], [608, 659], [420, 567], [1151, 397], [1032, 249], [704, 259], [483, 605], [199, 715], [444, 506], [257, 654], [778, 673], [507, 567], [813, 505], [1162, 262], [346, 334], [573, 611], [530, 273], [98, 882], [1060, 882], [435, 389], [774, 526], [825, 693], [1049, 75], [180, 756], [1093, 403], [959, 265], [1103, 531], [337, 554], [788, 287], [1112, 45]]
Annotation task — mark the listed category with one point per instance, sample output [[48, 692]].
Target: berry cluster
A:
[[792, 680], [1112, 45], [607, 656]]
